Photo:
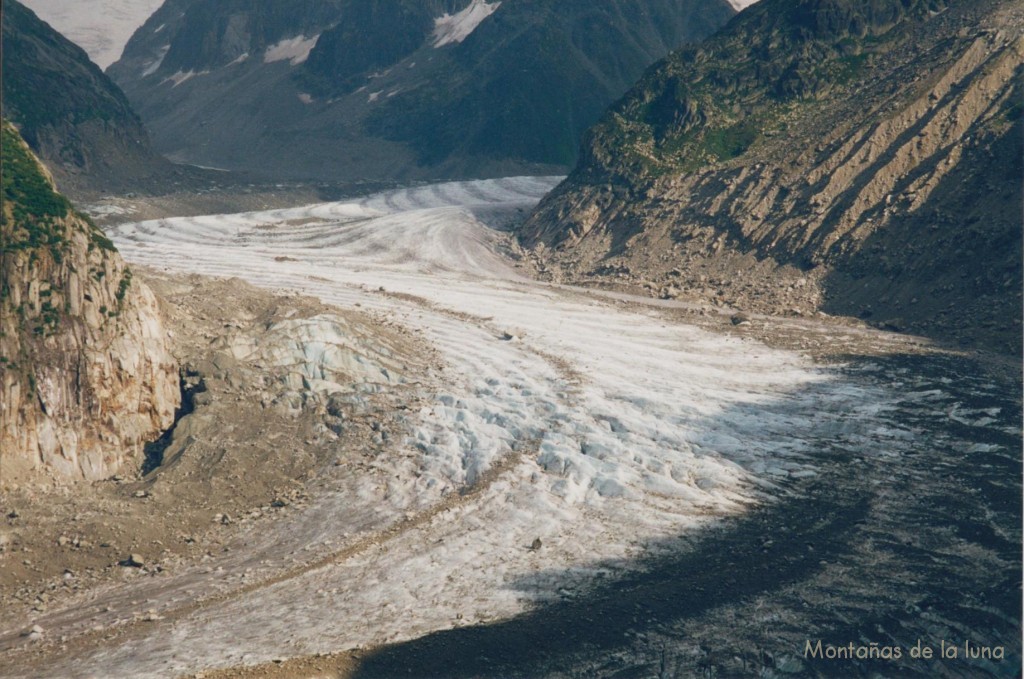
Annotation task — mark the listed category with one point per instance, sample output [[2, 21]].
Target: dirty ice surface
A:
[[597, 427]]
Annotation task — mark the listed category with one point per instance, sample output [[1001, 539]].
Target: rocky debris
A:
[[226, 454], [34, 633], [536, 544], [670, 292], [740, 319], [133, 561]]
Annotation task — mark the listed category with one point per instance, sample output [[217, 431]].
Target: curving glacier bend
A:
[[599, 428]]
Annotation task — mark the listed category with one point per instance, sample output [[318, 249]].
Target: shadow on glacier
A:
[[851, 507]]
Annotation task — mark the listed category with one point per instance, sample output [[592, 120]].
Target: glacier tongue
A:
[[596, 428]]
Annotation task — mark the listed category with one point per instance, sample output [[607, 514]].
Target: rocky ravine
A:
[[74, 117], [85, 370], [816, 155]]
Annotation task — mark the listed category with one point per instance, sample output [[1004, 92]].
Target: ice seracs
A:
[[450, 28]]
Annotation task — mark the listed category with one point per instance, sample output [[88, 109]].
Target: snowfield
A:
[[598, 428], [741, 5], [101, 28], [295, 50], [453, 28]]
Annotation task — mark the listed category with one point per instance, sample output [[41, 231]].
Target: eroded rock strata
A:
[[86, 376]]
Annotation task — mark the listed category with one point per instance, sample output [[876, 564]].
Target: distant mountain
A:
[[79, 337], [370, 89], [71, 114], [100, 27], [861, 158]]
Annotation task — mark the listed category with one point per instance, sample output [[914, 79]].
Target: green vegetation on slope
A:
[[709, 104], [32, 207], [32, 212]]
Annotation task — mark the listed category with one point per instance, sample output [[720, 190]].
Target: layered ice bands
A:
[[594, 426]]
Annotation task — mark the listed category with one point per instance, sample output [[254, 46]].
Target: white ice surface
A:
[[182, 76], [100, 27], [450, 28], [614, 430], [295, 50], [740, 5]]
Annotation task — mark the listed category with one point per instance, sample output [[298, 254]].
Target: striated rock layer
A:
[[86, 377], [863, 159]]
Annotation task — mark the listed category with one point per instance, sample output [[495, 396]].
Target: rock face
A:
[[71, 114], [375, 89], [861, 158], [86, 378]]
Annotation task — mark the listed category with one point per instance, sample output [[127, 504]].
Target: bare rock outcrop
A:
[[86, 376]]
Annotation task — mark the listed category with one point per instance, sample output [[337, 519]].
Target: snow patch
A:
[[456, 27], [740, 5], [373, 96], [296, 50], [154, 65], [182, 76], [239, 59]]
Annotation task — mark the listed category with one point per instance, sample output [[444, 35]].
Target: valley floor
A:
[[548, 481]]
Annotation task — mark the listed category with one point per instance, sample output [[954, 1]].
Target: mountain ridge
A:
[[366, 90], [813, 182], [71, 114]]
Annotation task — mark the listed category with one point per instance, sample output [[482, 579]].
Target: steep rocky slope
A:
[[860, 158], [393, 89], [72, 115], [86, 378]]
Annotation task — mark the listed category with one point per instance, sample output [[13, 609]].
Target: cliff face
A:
[[861, 158], [375, 89], [86, 377], [71, 114]]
